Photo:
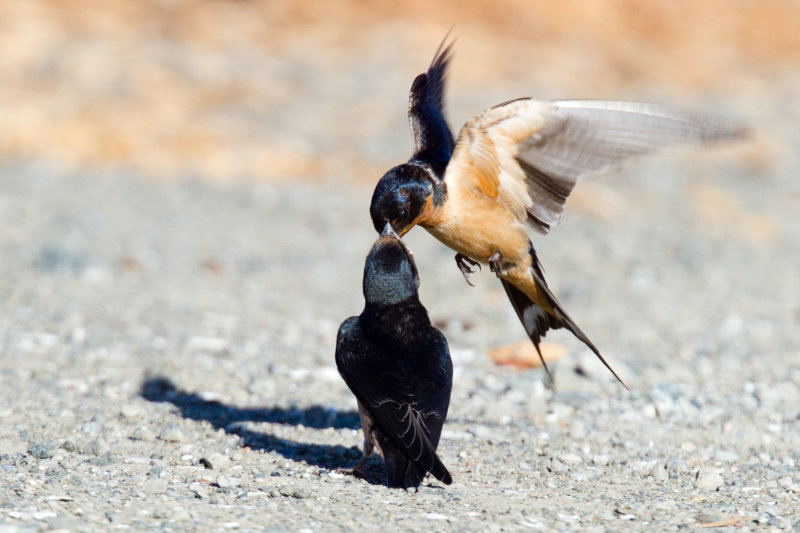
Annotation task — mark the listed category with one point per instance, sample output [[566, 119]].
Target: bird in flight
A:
[[512, 168], [398, 367]]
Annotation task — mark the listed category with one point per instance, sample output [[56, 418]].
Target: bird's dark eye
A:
[[403, 214]]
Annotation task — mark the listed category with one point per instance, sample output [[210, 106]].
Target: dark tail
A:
[[538, 322], [403, 473]]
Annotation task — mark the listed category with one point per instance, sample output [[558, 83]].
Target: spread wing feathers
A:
[[538, 322], [410, 415], [530, 154], [433, 141]]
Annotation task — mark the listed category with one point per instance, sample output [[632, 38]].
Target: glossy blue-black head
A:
[[390, 274], [400, 198]]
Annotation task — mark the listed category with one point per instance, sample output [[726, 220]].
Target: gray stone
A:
[[42, 450]]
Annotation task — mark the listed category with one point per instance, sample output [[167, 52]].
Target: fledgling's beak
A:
[[388, 231]]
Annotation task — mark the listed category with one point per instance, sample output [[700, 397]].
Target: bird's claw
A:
[[464, 263], [496, 263]]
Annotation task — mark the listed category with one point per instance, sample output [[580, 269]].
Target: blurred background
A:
[[207, 157], [233, 90]]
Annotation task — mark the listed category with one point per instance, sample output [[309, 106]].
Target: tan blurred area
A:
[[268, 90]]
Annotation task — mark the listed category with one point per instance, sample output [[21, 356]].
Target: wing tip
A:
[[439, 471], [443, 53], [729, 132]]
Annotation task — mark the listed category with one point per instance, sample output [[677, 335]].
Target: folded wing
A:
[[405, 413]]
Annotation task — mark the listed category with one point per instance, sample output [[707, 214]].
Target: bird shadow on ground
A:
[[234, 420]]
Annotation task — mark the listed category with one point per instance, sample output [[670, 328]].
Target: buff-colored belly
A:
[[481, 231]]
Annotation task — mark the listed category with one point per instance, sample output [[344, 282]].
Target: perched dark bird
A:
[[512, 168], [398, 366]]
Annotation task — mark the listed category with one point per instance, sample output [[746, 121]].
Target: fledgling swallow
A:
[[398, 366], [512, 168]]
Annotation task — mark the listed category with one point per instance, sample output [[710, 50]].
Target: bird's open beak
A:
[[388, 231]]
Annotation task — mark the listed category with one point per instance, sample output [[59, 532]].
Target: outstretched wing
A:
[[433, 141], [403, 411], [529, 154]]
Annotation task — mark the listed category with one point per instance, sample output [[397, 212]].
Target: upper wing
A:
[[530, 154], [433, 141], [403, 409]]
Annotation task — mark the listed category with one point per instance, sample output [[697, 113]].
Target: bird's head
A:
[[390, 274], [400, 198]]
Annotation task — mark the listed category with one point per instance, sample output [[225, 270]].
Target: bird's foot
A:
[[496, 263], [464, 263], [358, 470]]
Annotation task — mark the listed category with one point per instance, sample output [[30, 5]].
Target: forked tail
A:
[[538, 322]]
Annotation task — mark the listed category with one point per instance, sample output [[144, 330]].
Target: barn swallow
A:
[[512, 168], [398, 367]]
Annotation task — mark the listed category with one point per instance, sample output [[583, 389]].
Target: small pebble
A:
[[300, 494], [557, 466], [42, 450], [215, 461], [570, 458], [708, 479], [132, 411], [227, 482], [143, 433], [97, 447], [659, 473], [171, 433], [199, 490]]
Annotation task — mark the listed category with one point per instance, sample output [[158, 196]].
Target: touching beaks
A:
[[388, 231]]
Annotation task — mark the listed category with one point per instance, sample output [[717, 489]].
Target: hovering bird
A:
[[398, 367], [512, 168]]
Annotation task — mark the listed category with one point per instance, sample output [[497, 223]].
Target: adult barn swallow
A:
[[398, 366], [513, 167]]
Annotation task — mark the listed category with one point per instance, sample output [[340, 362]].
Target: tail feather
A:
[[402, 472], [538, 322]]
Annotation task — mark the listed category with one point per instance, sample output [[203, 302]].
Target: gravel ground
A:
[[167, 345], [167, 359]]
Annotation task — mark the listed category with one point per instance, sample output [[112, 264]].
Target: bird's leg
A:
[[368, 447], [461, 261], [496, 263]]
